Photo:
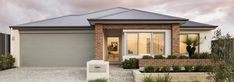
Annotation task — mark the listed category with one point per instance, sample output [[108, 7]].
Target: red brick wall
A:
[[175, 42], [137, 26], [99, 41], [164, 62]]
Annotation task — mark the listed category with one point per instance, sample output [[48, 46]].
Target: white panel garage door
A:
[[56, 49]]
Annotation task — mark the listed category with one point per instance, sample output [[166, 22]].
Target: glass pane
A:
[[158, 43], [183, 45], [144, 43], [132, 43], [193, 37], [113, 48]]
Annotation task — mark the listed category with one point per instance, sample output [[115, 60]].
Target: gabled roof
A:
[[118, 13], [139, 15]]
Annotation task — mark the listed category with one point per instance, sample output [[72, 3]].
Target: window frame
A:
[[151, 43], [187, 34]]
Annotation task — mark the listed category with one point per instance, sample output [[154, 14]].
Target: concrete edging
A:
[[176, 77]]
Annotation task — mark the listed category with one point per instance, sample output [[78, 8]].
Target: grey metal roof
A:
[[73, 20], [139, 15], [69, 20], [118, 13], [191, 24]]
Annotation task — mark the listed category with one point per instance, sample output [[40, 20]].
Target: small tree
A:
[[191, 45], [222, 57]]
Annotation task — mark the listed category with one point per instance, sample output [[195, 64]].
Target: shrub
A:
[[98, 80], [199, 68], [172, 57], [149, 69], [196, 56], [158, 57], [183, 57], [156, 68], [196, 81], [205, 55], [208, 68], [6, 61], [166, 69], [188, 68], [166, 78], [148, 79], [176, 68], [147, 57], [131, 63]]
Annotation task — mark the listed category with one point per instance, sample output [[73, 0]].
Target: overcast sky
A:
[[215, 12]]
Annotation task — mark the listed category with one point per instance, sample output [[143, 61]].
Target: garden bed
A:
[[165, 62], [175, 76]]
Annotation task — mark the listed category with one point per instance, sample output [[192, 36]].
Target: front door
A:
[[113, 50]]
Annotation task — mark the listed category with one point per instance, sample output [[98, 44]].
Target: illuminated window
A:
[[158, 43], [132, 42], [145, 43], [185, 36]]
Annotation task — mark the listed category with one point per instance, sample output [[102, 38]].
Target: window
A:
[[132, 43], [145, 43], [158, 43], [185, 36]]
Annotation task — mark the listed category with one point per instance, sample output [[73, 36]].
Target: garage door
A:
[[56, 49]]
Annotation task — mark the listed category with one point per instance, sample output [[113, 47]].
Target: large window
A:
[[145, 43], [185, 36]]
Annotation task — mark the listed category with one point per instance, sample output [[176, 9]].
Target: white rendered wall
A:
[[15, 46], [205, 38]]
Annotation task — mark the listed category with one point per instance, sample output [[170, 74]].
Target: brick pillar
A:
[[99, 35], [175, 34]]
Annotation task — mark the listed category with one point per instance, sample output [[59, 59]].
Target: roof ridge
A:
[[43, 20], [102, 10], [157, 13], [110, 14]]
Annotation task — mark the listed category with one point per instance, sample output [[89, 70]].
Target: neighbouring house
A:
[[113, 35], [226, 46], [4, 43]]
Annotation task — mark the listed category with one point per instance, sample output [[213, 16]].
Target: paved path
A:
[[60, 74], [35, 74], [118, 74]]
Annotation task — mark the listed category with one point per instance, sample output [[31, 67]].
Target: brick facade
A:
[[99, 30], [175, 42], [99, 35], [166, 62]]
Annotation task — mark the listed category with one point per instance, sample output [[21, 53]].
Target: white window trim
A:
[[167, 50]]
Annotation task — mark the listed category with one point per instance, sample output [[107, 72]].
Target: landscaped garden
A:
[[194, 67]]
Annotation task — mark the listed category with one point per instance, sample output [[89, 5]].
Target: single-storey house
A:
[[112, 35]]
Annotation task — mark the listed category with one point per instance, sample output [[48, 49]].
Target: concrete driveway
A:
[[44, 74]]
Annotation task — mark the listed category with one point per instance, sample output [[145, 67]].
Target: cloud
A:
[[218, 12]]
